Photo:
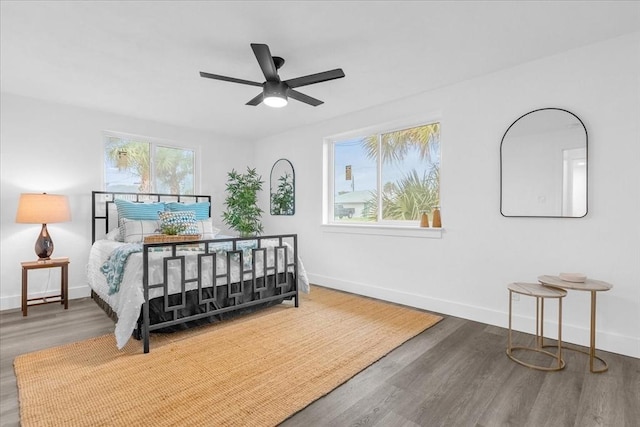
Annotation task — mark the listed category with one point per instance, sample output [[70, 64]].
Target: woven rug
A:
[[256, 370]]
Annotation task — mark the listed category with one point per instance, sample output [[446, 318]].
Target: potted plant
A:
[[282, 199], [243, 213]]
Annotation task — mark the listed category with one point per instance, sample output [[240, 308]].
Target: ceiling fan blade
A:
[[228, 79], [315, 78], [257, 100], [263, 55], [304, 98]]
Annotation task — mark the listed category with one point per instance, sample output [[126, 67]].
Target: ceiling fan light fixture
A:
[[275, 94], [275, 101]]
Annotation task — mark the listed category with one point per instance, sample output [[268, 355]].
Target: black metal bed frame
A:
[[283, 286]]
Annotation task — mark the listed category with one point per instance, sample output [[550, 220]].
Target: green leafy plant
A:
[[243, 213], [407, 198], [172, 229], [282, 199]]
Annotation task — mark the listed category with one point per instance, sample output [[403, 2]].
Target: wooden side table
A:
[[592, 286], [62, 298]]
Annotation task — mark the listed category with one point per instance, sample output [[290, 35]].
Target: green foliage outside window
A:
[[413, 193], [142, 166]]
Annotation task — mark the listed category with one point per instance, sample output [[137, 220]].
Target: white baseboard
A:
[[15, 301], [615, 343]]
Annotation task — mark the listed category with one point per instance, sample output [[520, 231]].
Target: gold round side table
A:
[[592, 286], [540, 292]]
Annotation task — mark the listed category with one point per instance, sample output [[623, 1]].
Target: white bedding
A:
[[127, 301]]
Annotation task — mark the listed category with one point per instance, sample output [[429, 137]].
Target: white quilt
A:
[[126, 303]]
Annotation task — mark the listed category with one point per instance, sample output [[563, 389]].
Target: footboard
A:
[[223, 275]]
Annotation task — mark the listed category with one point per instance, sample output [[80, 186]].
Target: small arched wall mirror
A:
[[543, 166], [283, 188]]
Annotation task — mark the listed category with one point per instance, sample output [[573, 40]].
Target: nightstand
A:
[[63, 298]]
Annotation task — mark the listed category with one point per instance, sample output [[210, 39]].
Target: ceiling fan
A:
[[274, 91]]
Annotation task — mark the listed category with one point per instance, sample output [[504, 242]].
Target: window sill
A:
[[385, 230]]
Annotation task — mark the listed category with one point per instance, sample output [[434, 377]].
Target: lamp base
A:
[[44, 244]]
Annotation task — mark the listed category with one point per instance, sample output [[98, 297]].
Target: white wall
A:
[[466, 272], [55, 148]]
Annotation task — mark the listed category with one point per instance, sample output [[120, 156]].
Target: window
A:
[[143, 165], [388, 177]]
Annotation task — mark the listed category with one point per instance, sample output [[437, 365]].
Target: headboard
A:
[[103, 209]]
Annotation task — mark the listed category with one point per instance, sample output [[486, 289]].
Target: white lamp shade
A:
[[43, 209]]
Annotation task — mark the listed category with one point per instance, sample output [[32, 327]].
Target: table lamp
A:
[[43, 209]]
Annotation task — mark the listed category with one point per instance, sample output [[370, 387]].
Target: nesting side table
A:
[[540, 292], [589, 285], [62, 298]]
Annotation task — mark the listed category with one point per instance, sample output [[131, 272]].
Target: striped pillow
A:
[[201, 208], [135, 210]]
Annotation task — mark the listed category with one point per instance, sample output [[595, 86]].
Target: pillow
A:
[[206, 229], [201, 208], [114, 235], [136, 210], [183, 222], [135, 230]]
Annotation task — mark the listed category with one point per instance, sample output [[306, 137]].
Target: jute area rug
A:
[[256, 370]]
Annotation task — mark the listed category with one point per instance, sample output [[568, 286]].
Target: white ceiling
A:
[[142, 59]]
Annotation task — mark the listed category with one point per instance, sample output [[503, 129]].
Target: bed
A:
[[170, 283]]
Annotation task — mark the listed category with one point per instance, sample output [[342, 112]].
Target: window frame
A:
[[380, 227], [154, 143]]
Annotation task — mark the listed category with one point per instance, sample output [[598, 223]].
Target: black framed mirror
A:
[[283, 188], [544, 166]]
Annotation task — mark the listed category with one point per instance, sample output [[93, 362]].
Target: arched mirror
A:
[[283, 188], [543, 166]]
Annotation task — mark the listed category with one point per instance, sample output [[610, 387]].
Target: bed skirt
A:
[[157, 313]]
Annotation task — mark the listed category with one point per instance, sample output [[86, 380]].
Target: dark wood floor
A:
[[454, 374]]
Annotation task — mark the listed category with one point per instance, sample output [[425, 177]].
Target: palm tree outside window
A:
[[143, 165], [386, 177]]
